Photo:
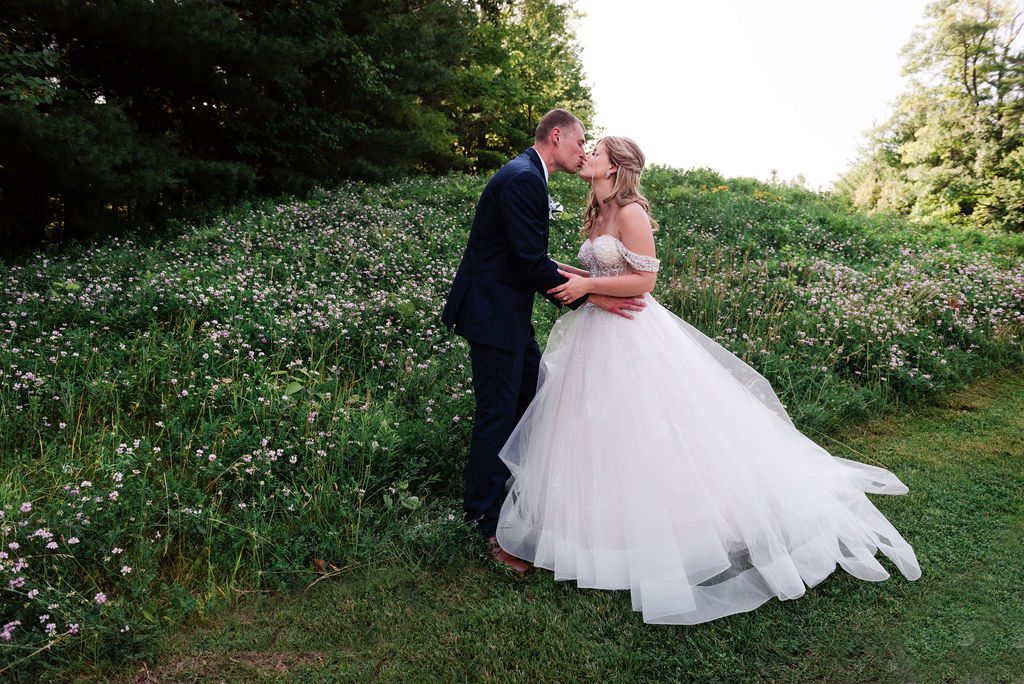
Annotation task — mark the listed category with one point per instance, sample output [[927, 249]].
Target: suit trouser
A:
[[504, 383]]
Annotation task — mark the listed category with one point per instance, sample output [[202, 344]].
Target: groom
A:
[[505, 264]]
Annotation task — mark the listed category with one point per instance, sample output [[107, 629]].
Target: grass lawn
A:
[[468, 620]]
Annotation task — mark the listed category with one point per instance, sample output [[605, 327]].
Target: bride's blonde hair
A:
[[626, 156]]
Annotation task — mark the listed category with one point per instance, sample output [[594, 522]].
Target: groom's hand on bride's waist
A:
[[621, 306]]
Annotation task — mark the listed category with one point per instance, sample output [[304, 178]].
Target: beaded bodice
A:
[[606, 256]]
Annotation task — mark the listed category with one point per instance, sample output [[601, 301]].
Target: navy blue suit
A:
[[505, 264]]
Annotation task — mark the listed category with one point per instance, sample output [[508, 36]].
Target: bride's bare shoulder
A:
[[633, 219]]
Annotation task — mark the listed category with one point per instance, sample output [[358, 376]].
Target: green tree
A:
[[127, 111], [951, 150], [526, 61]]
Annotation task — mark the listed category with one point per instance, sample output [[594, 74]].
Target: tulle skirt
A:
[[653, 459]]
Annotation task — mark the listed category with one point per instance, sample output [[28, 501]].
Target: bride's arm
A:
[[572, 269], [627, 285], [637, 236]]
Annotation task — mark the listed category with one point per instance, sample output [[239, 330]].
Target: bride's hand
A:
[[572, 289]]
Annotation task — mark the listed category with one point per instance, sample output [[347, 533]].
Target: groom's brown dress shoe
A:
[[517, 565]]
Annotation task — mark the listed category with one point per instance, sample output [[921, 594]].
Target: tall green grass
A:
[[200, 413]]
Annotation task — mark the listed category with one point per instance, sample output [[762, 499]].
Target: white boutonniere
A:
[[555, 208]]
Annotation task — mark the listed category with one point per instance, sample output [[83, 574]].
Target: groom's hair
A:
[[556, 118]]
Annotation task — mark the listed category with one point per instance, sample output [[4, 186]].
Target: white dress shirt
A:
[[543, 166]]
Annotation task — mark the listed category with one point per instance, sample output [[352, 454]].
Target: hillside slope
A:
[[187, 415]]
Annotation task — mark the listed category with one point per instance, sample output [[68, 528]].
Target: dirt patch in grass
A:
[[227, 664]]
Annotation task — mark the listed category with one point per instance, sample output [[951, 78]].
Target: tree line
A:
[[126, 112], [953, 149]]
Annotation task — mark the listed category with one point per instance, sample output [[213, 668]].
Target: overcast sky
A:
[[746, 86]]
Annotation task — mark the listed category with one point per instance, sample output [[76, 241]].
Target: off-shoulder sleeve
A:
[[638, 262]]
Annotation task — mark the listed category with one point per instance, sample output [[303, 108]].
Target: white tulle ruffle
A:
[[652, 459]]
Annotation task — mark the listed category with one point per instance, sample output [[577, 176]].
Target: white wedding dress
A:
[[653, 459]]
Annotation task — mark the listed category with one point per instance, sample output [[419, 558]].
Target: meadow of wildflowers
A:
[[188, 415]]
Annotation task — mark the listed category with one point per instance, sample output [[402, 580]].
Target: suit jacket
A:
[[506, 260]]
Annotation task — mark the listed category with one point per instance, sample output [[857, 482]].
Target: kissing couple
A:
[[637, 453]]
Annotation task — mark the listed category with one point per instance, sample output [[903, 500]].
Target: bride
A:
[[652, 459]]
